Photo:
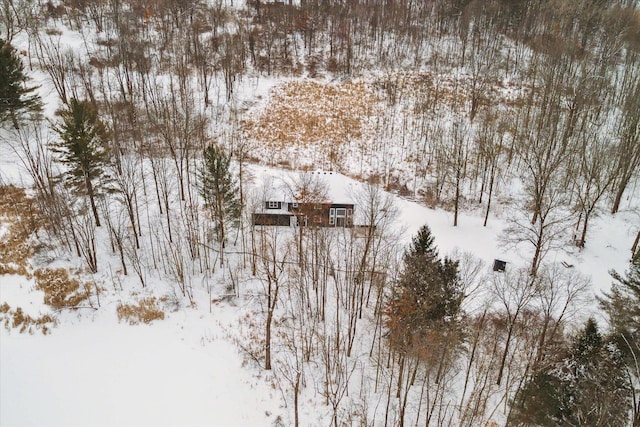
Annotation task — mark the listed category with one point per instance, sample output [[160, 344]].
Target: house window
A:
[[294, 205], [332, 216], [341, 214], [273, 205]]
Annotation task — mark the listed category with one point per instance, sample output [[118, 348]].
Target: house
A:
[[289, 205]]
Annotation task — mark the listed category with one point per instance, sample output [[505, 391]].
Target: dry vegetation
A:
[[146, 311], [20, 218], [17, 319], [60, 290], [426, 91], [305, 112]]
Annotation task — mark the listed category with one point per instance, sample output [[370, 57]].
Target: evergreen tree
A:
[[587, 385], [82, 148], [219, 190], [16, 98], [423, 244], [426, 299], [539, 401], [596, 389], [622, 306]]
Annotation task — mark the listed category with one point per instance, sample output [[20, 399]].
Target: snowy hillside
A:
[[137, 290]]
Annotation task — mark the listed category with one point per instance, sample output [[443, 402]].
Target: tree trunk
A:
[[457, 200], [536, 256], [91, 195], [296, 393], [506, 351], [635, 251], [486, 215], [583, 236], [619, 192], [267, 347]]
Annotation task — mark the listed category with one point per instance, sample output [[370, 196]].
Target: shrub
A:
[[59, 289], [146, 311], [17, 319], [19, 215]]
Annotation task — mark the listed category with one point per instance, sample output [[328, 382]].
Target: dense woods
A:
[[526, 105]]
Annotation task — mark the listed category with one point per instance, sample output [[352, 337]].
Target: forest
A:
[[143, 128]]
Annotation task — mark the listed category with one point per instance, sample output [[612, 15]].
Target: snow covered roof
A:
[[282, 186], [340, 188]]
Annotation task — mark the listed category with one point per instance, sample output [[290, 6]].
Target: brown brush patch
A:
[[306, 112], [146, 311], [17, 319], [19, 214], [426, 92], [59, 289]]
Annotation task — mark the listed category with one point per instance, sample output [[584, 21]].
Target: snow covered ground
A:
[[96, 372], [185, 370]]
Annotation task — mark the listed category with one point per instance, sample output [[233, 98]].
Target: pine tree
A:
[[426, 298], [586, 385], [82, 148], [219, 190], [423, 244], [16, 99], [539, 401], [622, 305], [596, 389]]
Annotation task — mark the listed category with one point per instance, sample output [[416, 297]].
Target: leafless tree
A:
[[272, 267], [514, 292], [596, 172], [546, 233]]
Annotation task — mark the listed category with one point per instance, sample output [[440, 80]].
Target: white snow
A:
[[185, 370], [101, 373], [18, 291]]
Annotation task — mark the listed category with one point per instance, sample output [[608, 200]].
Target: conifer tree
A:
[[219, 190], [586, 385], [427, 296], [82, 149], [16, 98], [622, 306]]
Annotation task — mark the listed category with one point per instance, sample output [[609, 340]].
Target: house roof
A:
[[280, 186]]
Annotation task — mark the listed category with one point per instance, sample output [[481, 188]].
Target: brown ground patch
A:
[[60, 290], [17, 212], [307, 112], [146, 311], [17, 319]]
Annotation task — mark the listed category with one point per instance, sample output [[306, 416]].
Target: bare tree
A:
[[594, 177], [57, 62], [562, 294], [546, 233], [514, 292], [273, 261], [628, 147]]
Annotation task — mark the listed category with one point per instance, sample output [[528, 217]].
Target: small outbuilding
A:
[[499, 265]]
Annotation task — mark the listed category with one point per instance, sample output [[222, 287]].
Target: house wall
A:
[[272, 219], [318, 214], [276, 213]]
